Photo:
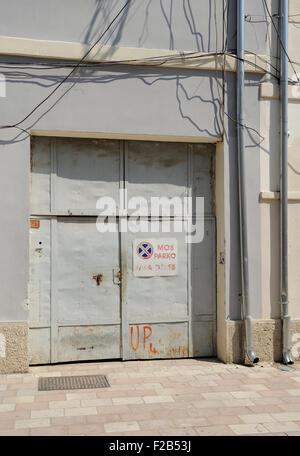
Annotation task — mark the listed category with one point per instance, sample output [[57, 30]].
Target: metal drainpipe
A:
[[286, 323], [242, 183]]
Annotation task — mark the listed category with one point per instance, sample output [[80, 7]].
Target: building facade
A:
[[122, 100]]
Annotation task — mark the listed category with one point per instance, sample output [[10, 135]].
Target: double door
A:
[[118, 291]]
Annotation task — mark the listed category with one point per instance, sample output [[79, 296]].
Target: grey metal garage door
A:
[[88, 299]]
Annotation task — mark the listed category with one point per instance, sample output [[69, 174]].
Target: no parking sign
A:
[[155, 257]]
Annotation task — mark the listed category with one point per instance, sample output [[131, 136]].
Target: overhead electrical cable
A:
[[153, 61], [280, 40]]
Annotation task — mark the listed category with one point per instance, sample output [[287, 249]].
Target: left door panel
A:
[[74, 307], [86, 296]]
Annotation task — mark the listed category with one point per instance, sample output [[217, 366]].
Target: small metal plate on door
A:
[[72, 382]]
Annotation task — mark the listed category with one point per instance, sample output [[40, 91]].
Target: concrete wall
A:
[[158, 24]]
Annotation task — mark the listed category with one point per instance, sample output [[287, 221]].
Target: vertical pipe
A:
[[242, 182], [286, 344]]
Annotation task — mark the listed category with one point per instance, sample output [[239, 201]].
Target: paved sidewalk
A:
[[165, 397]]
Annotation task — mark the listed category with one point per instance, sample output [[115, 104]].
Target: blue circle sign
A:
[[144, 250]]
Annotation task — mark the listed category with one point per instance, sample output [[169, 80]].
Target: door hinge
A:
[[117, 276]]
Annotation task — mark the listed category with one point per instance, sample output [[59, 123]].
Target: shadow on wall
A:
[[200, 22], [202, 110], [103, 13]]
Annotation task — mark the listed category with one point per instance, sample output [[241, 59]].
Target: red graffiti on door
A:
[[146, 334]]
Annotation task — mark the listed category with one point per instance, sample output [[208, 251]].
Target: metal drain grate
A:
[[72, 382]]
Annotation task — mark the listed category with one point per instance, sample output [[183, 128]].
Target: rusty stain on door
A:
[[98, 278]]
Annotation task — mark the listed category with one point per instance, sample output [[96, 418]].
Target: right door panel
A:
[[169, 314]]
